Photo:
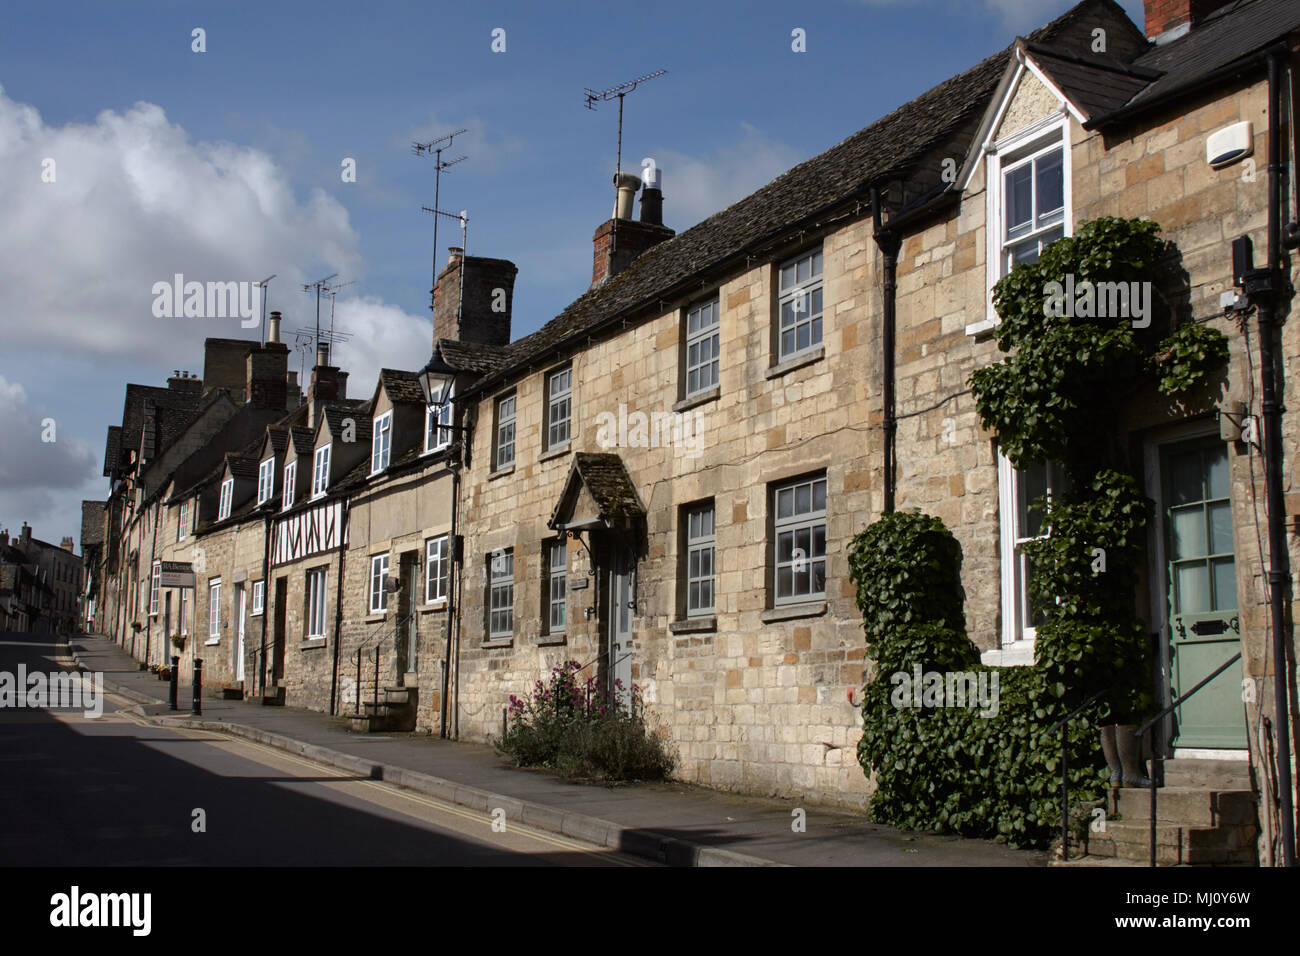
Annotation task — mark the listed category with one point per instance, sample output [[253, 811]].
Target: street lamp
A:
[[435, 381]]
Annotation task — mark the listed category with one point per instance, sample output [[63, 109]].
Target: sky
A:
[[128, 156]]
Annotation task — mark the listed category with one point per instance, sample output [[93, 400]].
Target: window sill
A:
[[552, 640], [982, 327], [791, 612], [502, 472], [694, 625], [498, 642], [312, 644], [796, 361], [699, 398], [438, 605], [1019, 654], [376, 617], [211, 640], [556, 452]]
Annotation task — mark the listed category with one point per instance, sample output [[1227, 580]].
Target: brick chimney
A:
[[224, 365], [1169, 19], [25, 538], [489, 290], [266, 383], [621, 239], [328, 384], [4, 538]]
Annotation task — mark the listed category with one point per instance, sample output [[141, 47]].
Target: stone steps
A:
[[1195, 826], [1185, 772], [1187, 806]]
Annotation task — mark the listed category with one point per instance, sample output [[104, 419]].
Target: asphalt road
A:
[[118, 791]]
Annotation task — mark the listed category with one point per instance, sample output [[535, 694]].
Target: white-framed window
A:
[[265, 480], [799, 304], [144, 597], [378, 577], [214, 610], [437, 568], [1019, 521], [799, 524], [185, 612], [290, 480], [259, 597], [381, 442], [183, 521], [320, 474], [701, 346], [437, 422], [1028, 202], [501, 594], [227, 494], [556, 555], [503, 448], [559, 407], [700, 541], [154, 581], [315, 591]]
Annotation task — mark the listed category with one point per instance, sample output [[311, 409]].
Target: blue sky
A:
[[225, 165]]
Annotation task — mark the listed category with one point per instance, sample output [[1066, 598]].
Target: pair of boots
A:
[[1123, 751]]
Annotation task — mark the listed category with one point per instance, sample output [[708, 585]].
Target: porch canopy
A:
[[597, 495]]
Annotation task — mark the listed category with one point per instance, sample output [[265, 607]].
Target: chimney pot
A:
[[273, 334], [627, 185]]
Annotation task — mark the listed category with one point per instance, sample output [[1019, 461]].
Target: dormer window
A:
[[381, 443], [320, 474], [227, 494], [265, 480], [290, 479]]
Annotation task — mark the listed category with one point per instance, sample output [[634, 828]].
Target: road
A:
[[119, 790]]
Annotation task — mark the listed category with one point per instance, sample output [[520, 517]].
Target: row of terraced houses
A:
[[662, 482]]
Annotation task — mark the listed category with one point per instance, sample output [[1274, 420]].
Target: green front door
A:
[[1202, 578]]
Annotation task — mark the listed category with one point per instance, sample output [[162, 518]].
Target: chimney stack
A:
[[1169, 19], [67, 544], [474, 298], [621, 239], [328, 384], [265, 381], [25, 539]]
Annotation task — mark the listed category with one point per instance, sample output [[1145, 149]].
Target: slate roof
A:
[[279, 438], [1229, 34], [302, 438], [1096, 85], [401, 386], [92, 523], [888, 147], [469, 357]]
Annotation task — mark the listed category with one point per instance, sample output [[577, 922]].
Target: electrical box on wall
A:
[[1224, 147]]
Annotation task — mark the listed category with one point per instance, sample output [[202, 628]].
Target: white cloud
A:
[[37, 475], [1017, 16], [696, 187], [136, 200]]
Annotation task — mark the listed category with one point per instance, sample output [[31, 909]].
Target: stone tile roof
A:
[[113, 451], [279, 438], [606, 478], [302, 438], [473, 357], [355, 409], [401, 386], [244, 466], [888, 147]]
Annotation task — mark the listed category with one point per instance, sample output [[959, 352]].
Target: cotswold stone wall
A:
[[761, 702]]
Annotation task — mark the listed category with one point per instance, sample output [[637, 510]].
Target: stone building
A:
[[48, 588]]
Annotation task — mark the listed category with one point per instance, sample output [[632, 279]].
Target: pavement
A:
[[672, 823]]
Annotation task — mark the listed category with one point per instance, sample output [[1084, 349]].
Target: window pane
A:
[[1051, 182], [1220, 521], [1192, 588], [1216, 466], [1187, 530], [1186, 478], [1225, 584], [785, 502], [1020, 201]]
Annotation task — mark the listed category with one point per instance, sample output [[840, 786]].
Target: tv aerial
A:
[[434, 148]]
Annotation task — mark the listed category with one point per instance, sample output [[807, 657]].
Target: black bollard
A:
[[197, 707], [175, 682]]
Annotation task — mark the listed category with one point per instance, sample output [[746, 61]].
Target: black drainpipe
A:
[[888, 241], [338, 610], [1277, 547]]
